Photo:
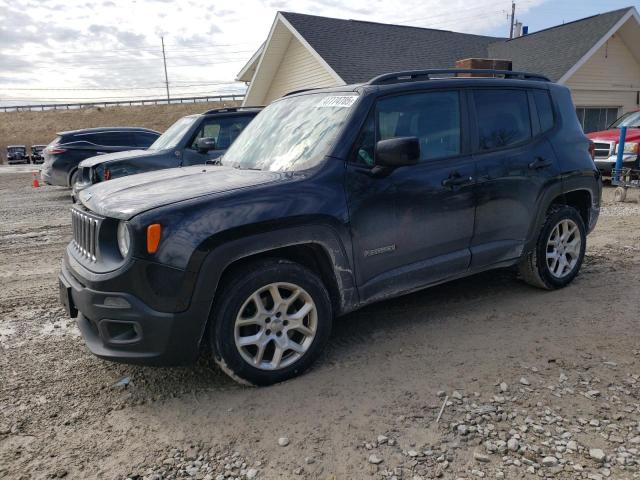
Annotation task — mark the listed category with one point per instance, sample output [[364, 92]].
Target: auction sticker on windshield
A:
[[344, 101]]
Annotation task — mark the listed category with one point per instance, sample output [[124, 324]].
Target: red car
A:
[[606, 143]]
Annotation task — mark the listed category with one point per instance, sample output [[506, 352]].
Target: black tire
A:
[[238, 288], [533, 267]]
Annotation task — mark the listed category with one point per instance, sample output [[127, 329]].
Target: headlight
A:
[[629, 147], [124, 239]]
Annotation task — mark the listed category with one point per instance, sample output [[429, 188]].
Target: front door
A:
[[224, 130], [515, 163], [412, 226]]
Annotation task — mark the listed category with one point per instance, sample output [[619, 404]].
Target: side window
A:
[[432, 117], [223, 130], [114, 139], [544, 108], [503, 117]]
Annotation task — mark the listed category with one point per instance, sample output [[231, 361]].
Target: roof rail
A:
[[415, 75], [293, 92], [230, 110]]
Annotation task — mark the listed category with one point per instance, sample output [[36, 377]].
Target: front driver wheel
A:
[[272, 320], [558, 254]]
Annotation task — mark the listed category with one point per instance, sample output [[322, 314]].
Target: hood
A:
[[126, 197], [633, 135], [93, 161]]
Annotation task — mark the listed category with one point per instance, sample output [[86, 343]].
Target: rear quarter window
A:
[[544, 108]]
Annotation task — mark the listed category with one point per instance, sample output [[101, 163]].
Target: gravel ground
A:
[[534, 384]]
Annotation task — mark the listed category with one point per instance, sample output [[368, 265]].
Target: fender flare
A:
[[219, 252]]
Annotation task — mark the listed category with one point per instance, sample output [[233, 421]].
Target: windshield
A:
[[173, 135], [291, 134], [631, 119], [16, 149]]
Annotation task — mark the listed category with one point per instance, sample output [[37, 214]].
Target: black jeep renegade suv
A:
[[329, 200]]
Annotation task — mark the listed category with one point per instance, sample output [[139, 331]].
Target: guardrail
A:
[[121, 103]]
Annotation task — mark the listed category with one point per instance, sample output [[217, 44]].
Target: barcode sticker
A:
[[344, 101]]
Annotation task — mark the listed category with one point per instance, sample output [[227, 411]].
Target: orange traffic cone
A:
[[35, 181]]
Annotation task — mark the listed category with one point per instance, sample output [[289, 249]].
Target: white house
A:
[[597, 57]]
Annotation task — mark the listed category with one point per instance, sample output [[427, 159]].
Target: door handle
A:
[[540, 163], [456, 180]]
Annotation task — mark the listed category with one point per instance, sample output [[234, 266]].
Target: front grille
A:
[[85, 233], [604, 149]]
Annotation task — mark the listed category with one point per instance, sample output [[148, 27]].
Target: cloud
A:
[[115, 43]]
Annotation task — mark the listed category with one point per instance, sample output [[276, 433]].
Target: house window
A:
[[594, 119]]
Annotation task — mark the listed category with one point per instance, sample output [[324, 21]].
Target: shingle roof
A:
[[358, 51], [555, 50]]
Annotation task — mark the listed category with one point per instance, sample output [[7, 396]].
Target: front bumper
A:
[[13, 161], [118, 326], [607, 165]]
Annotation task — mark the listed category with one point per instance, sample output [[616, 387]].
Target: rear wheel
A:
[[559, 251], [271, 321]]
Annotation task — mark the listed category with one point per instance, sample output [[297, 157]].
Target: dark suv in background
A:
[[330, 200], [17, 154], [192, 140], [68, 149], [37, 153]]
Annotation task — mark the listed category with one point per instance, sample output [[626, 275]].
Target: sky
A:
[[79, 50]]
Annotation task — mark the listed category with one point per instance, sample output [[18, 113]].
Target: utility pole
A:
[[513, 16], [166, 77]]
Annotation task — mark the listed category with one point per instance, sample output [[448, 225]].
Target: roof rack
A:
[[293, 92], [230, 110], [415, 75]]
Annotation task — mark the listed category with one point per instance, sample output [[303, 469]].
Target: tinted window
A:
[[223, 130], [109, 139], [144, 139], [433, 117], [503, 117], [544, 108]]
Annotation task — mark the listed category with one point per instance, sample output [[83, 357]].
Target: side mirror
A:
[[397, 152], [205, 144]]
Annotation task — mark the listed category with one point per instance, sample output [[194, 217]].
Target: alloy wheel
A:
[[563, 248], [275, 326]]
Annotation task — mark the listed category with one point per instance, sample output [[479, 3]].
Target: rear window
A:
[[544, 108], [503, 117]]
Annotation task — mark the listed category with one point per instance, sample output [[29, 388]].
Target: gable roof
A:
[[556, 50], [358, 51], [354, 51]]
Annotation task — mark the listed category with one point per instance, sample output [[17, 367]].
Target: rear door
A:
[[224, 130], [414, 225], [515, 163]]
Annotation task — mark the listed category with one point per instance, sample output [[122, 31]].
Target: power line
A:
[[152, 48], [173, 83], [134, 98]]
